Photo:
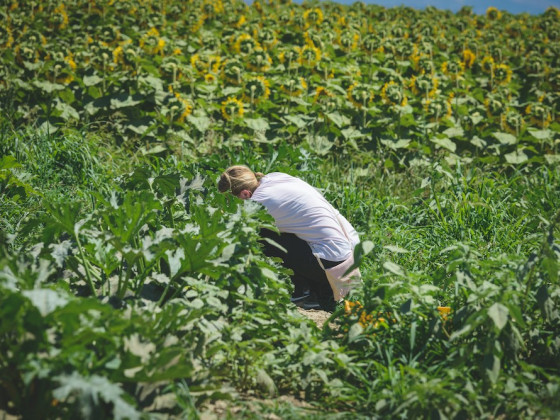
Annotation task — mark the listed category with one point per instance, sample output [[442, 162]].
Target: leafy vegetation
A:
[[130, 288]]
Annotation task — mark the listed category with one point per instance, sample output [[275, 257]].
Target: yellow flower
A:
[[424, 85], [493, 14], [186, 107], [539, 114], [309, 56], [320, 93], [444, 311], [487, 65], [453, 69], [63, 16], [313, 17], [245, 44], [257, 89], [294, 86], [209, 78], [232, 71], [392, 94], [259, 61], [359, 94], [502, 74], [468, 58], [232, 108]]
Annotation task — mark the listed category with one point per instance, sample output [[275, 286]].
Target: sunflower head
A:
[[468, 58], [493, 14], [245, 44], [309, 56], [487, 64], [438, 108], [360, 95], [257, 89], [494, 106], [372, 43], [313, 17], [539, 114], [233, 70], [502, 74], [294, 86], [425, 85], [393, 94], [453, 69], [259, 61], [232, 108], [512, 121]]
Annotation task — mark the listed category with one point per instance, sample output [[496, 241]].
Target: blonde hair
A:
[[238, 178]]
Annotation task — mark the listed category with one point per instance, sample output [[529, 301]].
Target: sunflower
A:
[[393, 94], [453, 69], [294, 86], [494, 106], [61, 17], [539, 114], [424, 84], [185, 107], [468, 58], [313, 17], [290, 56], [438, 108], [512, 121], [322, 95], [349, 41], [6, 37], [232, 108], [487, 64], [493, 14], [372, 43], [245, 44], [232, 71], [259, 61], [257, 90], [502, 74], [423, 63], [359, 94], [309, 56], [266, 36], [210, 78]]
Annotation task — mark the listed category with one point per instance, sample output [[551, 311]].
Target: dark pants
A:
[[308, 274]]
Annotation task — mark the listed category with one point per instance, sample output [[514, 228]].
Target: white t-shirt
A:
[[300, 209]]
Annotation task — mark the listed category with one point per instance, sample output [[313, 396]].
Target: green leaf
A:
[[296, 120], [201, 123], [540, 134], [505, 138], [396, 144], [499, 314], [338, 119], [445, 143], [394, 268], [45, 300], [92, 80], [123, 101], [492, 367], [259, 124], [48, 86], [66, 112], [319, 144], [454, 132], [396, 249], [516, 157], [91, 389]]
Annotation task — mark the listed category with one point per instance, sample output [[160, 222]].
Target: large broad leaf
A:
[[124, 100], [320, 144], [499, 314], [516, 157], [540, 134], [45, 300], [396, 144], [445, 143], [259, 124], [296, 120], [201, 122], [505, 138], [48, 86], [91, 390], [92, 80], [65, 111], [338, 119], [454, 132]]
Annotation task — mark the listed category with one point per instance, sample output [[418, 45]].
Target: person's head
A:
[[240, 181]]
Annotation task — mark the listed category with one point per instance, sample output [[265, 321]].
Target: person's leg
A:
[[307, 271]]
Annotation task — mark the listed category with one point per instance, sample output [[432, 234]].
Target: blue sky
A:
[[479, 6]]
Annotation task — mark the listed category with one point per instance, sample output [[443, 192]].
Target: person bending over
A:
[[315, 235]]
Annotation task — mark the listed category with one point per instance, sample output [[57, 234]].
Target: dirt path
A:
[[319, 317]]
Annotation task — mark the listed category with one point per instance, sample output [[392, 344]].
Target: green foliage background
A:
[[130, 288]]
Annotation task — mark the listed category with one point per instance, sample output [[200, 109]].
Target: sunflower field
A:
[[130, 288]]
